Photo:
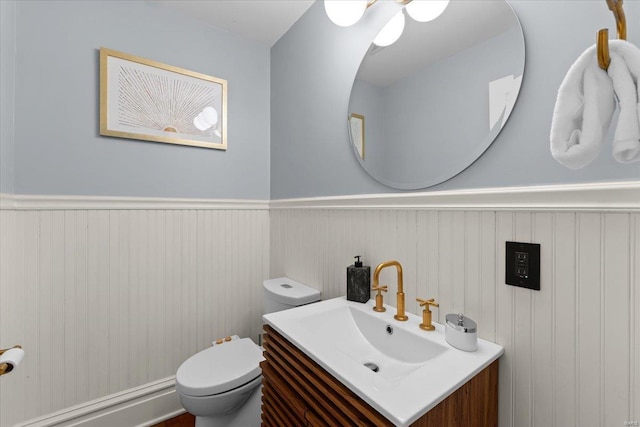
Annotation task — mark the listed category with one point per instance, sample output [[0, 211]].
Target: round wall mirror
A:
[[426, 107]]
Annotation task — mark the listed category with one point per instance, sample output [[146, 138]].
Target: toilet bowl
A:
[[221, 385]]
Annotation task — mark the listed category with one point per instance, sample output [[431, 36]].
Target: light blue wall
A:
[[53, 146], [57, 146], [7, 80], [313, 67]]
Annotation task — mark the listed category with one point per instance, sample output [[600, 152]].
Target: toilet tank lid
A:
[[290, 292]]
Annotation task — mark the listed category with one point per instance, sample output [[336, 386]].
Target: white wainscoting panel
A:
[[572, 349], [109, 295], [107, 299]]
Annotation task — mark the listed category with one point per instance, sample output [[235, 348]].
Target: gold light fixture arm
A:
[[371, 2], [5, 368], [615, 6]]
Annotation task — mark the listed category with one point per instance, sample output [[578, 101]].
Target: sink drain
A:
[[372, 366]]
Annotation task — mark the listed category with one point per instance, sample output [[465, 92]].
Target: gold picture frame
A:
[[356, 129], [150, 101]]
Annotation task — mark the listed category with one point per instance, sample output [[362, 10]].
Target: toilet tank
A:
[[283, 293]]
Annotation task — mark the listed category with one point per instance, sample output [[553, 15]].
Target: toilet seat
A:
[[220, 368]]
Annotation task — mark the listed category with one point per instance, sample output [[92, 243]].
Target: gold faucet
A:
[[426, 313], [400, 315]]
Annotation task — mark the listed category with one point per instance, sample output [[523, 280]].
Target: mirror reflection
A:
[[426, 107]]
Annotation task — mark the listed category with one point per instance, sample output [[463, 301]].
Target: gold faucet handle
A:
[[427, 302], [426, 313], [379, 306], [380, 288]]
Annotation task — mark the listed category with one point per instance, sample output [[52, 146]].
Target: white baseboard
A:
[[142, 406]]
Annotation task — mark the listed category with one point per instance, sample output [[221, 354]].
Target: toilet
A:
[[221, 385]]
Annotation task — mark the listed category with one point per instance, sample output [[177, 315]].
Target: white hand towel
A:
[[583, 112], [624, 71]]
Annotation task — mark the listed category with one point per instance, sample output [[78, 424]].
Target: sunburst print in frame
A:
[[150, 101]]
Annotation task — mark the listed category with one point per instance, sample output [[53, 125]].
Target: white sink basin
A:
[[403, 374], [369, 340]]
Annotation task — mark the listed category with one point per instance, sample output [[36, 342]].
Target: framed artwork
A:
[[150, 101], [356, 128]]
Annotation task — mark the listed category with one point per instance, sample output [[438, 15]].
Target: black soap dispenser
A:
[[358, 282]]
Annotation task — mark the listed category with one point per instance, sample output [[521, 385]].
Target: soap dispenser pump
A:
[[358, 281]]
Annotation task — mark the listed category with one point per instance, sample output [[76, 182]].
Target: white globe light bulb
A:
[[199, 124], [391, 31], [209, 115], [345, 12], [426, 10]]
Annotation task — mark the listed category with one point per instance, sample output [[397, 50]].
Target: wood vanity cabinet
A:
[[298, 392]]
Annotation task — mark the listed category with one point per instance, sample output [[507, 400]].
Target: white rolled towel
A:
[[624, 71], [586, 102], [583, 112]]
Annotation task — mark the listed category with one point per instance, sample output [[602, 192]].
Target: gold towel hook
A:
[[615, 6]]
